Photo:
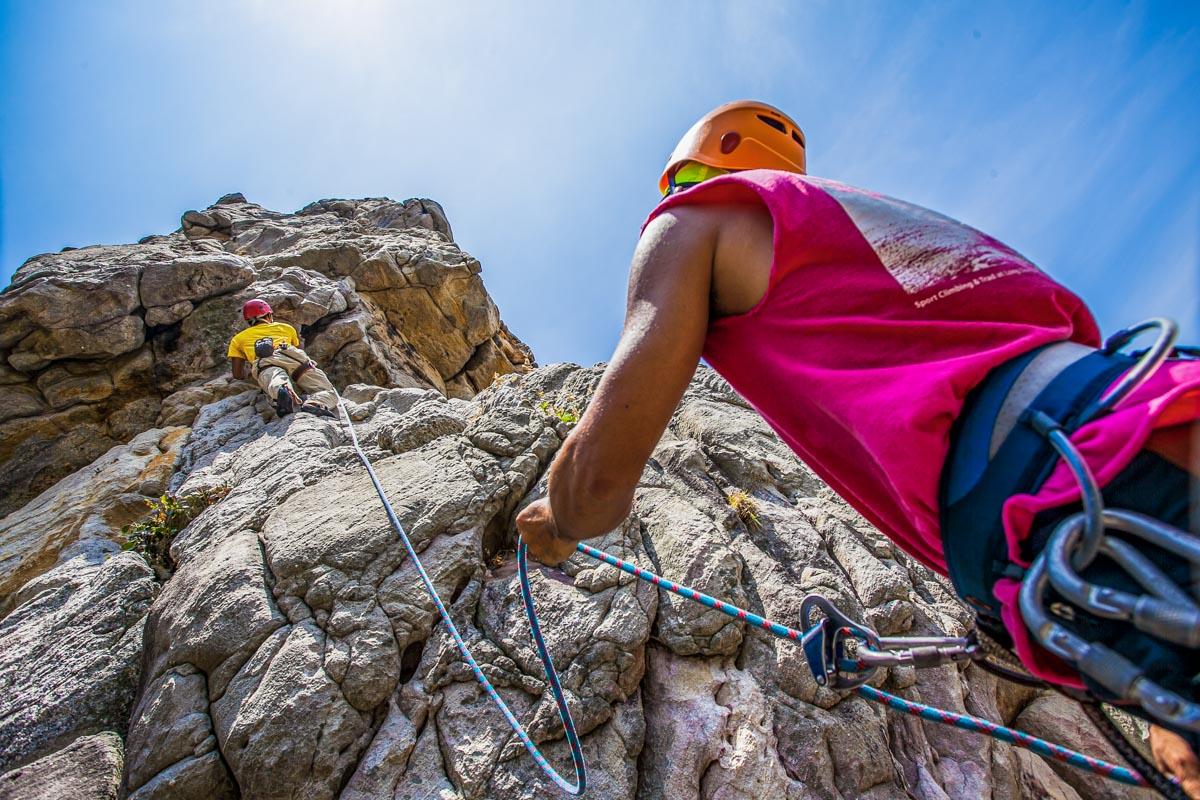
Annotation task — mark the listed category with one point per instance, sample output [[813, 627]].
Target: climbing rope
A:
[[825, 642], [964, 721], [1164, 785], [564, 713]]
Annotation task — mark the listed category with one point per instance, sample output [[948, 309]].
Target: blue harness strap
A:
[[974, 489]]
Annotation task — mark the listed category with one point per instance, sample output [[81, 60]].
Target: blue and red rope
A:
[[963, 721]]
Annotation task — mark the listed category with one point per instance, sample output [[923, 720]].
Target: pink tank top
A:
[[879, 318]]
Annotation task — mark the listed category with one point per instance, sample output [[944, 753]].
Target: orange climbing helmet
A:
[[744, 134]]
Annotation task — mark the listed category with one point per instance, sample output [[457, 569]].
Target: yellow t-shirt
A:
[[242, 343]]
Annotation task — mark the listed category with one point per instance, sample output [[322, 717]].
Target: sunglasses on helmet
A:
[[689, 174]]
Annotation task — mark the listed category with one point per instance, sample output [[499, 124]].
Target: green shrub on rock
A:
[[169, 514]]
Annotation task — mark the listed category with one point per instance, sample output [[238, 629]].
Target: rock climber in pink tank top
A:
[[904, 357]]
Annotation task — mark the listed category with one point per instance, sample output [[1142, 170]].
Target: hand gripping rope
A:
[[842, 654]]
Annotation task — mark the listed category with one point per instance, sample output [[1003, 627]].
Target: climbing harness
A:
[[1164, 611], [1061, 607], [845, 655], [265, 348]]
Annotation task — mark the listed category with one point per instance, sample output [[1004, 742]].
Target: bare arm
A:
[[592, 480], [1175, 757], [240, 368]]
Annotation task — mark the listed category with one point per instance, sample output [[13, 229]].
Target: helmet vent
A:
[[796, 136], [774, 123], [729, 142]]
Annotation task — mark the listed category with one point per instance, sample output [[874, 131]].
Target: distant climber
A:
[[897, 352], [269, 352]]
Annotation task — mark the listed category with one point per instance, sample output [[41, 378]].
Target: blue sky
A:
[[1070, 131]]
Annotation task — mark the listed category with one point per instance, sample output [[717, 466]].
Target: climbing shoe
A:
[[285, 402], [318, 409]]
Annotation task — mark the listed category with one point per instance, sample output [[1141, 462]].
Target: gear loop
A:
[[1150, 361]]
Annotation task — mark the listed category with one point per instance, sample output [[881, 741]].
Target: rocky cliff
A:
[[292, 653], [102, 343]]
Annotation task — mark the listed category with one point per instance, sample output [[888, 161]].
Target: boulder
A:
[[93, 342], [51, 293], [20, 400], [91, 504], [383, 213], [70, 653], [159, 316], [89, 768], [37, 451], [182, 407], [71, 382], [194, 278], [302, 296]]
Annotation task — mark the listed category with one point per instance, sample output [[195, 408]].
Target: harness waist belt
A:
[[973, 538], [285, 351]]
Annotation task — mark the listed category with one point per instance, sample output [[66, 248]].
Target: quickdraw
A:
[[838, 664]]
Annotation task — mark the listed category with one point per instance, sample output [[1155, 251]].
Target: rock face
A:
[[95, 342], [294, 652], [70, 654], [87, 509], [87, 769]]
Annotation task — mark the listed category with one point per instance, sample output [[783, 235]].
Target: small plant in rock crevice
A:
[[567, 413], [746, 508], [151, 537]]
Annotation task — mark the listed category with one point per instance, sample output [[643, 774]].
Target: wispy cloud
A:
[[542, 126]]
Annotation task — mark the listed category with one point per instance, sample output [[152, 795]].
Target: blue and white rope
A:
[[564, 713], [963, 721]]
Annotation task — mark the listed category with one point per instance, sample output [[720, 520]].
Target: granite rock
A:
[[70, 654], [295, 652], [379, 287], [89, 768], [86, 510]]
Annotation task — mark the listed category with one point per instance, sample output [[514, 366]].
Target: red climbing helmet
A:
[[253, 309]]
